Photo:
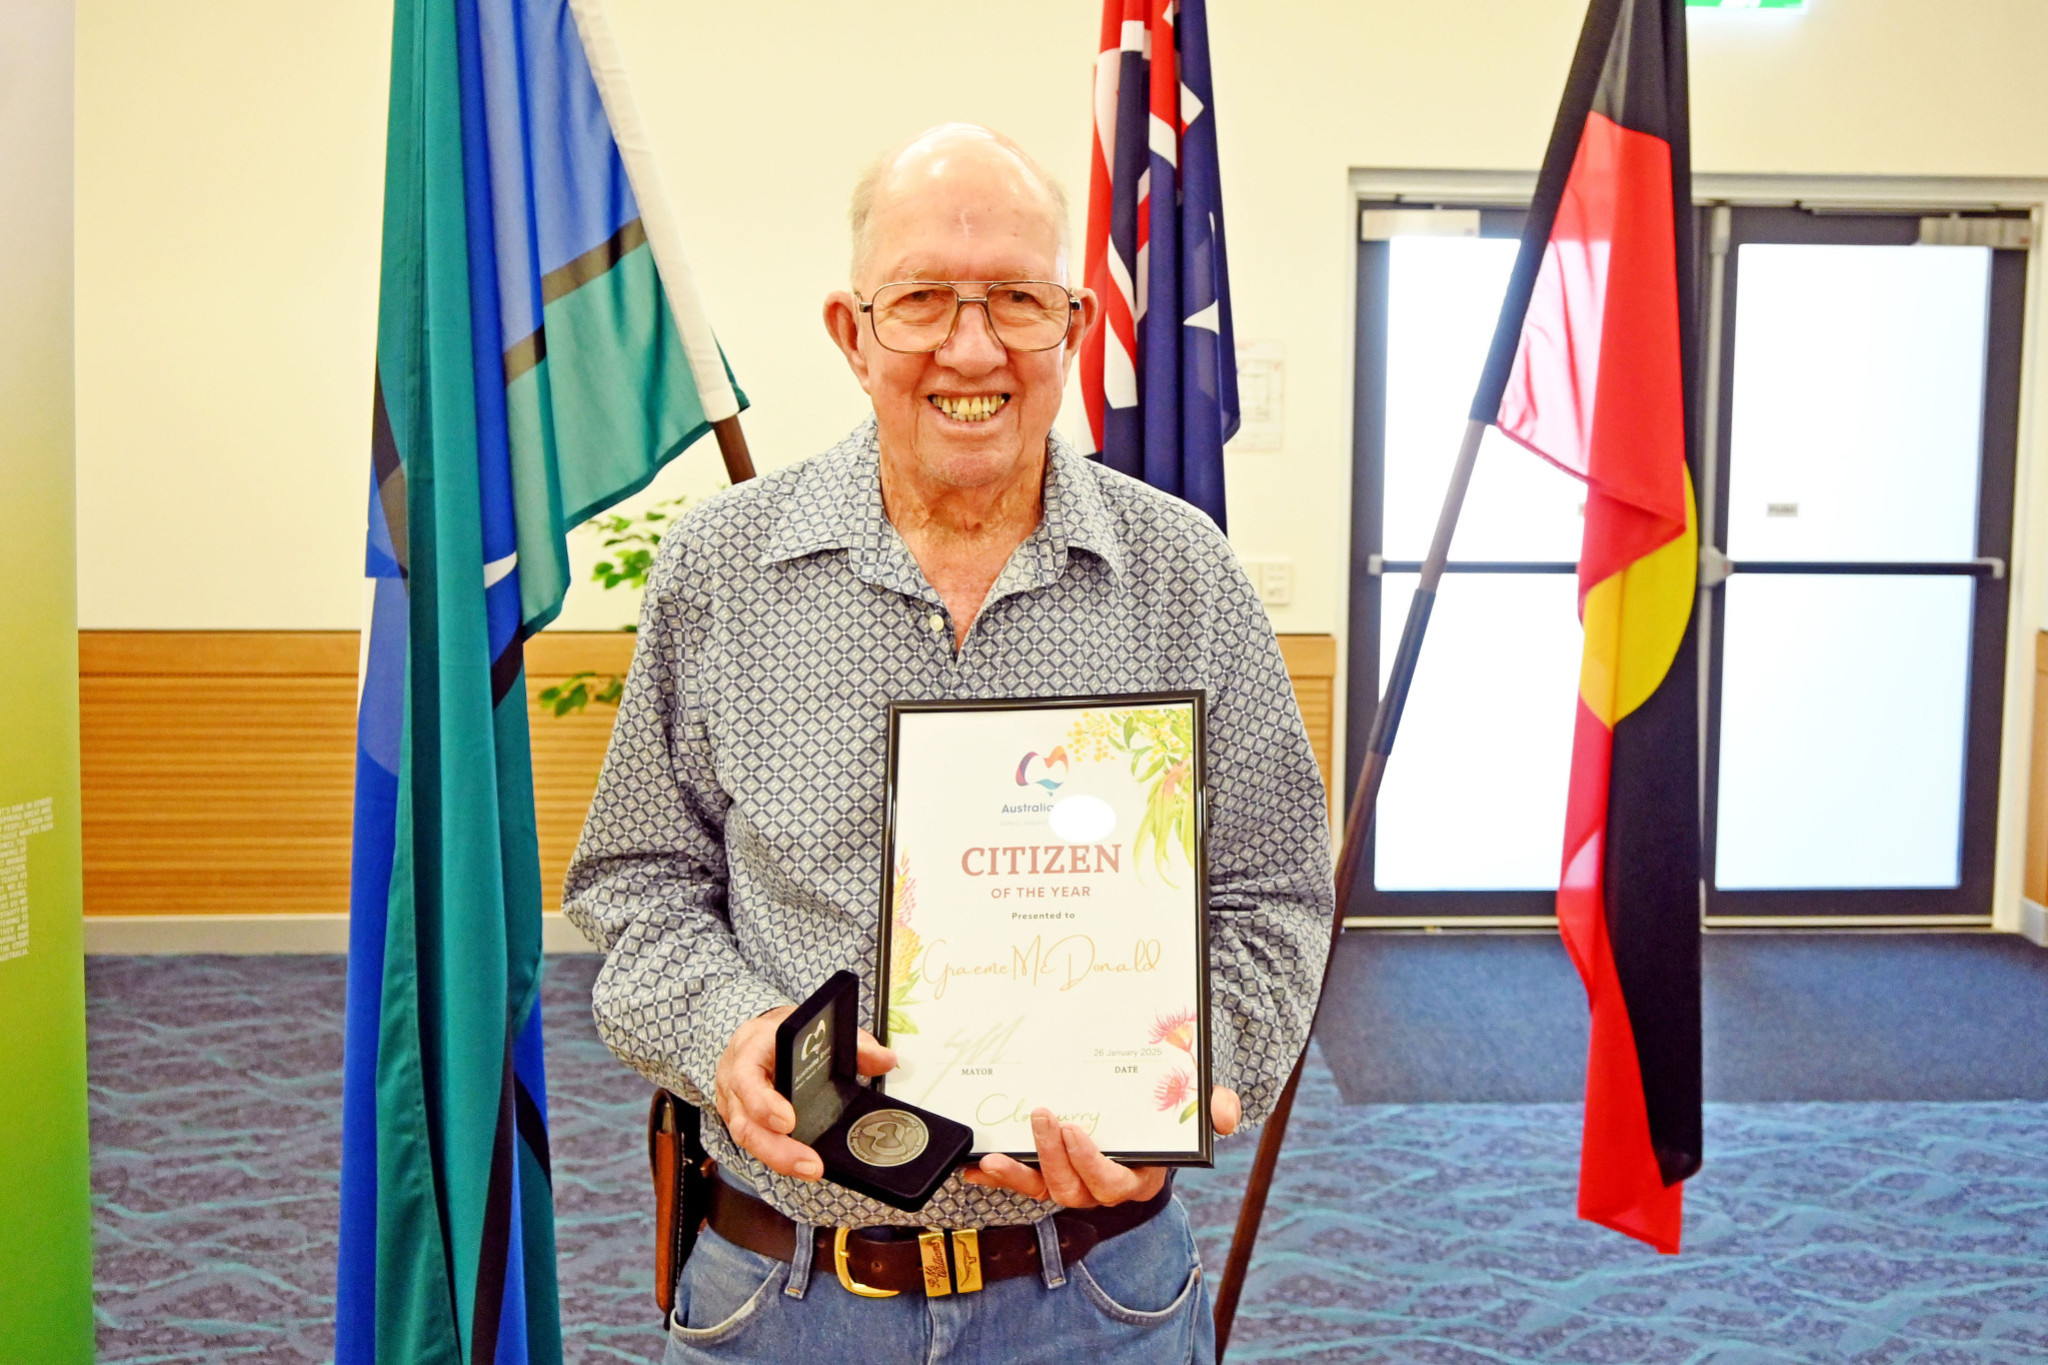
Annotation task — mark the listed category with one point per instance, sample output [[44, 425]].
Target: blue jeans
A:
[[1138, 1299]]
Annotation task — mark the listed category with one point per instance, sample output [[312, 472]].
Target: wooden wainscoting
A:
[[1312, 666], [217, 770], [567, 750], [219, 766]]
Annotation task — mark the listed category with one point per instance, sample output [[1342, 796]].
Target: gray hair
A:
[[860, 211]]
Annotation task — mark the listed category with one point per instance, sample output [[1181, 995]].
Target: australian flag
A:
[[1160, 376]]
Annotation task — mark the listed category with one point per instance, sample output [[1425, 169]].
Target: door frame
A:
[[1997, 469], [2027, 600]]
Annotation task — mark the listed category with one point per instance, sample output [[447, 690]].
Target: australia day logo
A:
[[1034, 771], [1038, 776], [1076, 818]]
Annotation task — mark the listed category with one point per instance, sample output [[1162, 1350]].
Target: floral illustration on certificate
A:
[[904, 947], [1176, 1087], [1160, 744]]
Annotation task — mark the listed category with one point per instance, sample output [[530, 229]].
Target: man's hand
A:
[[758, 1118], [1073, 1171]]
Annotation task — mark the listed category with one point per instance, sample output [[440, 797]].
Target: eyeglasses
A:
[[916, 316]]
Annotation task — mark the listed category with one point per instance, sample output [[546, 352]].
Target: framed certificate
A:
[[1044, 927]]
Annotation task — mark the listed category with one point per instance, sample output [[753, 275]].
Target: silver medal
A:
[[887, 1137]]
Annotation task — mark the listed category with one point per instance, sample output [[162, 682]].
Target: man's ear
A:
[[842, 323], [1090, 317]]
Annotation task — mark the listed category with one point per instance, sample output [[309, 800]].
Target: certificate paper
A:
[[1045, 920]]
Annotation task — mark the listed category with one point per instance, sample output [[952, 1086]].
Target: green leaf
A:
[[899, 1022], [1189, 1112], [634, 539]]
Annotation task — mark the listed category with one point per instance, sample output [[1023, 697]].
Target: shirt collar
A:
[[837, 505], [1075, 513]]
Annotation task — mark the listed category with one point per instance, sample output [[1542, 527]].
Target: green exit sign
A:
[[1745, 4]]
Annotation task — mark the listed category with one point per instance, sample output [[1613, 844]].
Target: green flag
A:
[[540, 355]]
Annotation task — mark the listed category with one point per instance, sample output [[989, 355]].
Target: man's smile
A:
[[969, 407]]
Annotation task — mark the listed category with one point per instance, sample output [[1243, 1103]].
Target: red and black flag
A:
[[1589, 370]]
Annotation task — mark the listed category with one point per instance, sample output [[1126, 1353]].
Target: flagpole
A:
[[732, 448], [1357, 825]]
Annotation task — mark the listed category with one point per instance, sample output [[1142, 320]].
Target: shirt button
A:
[[936, 622]]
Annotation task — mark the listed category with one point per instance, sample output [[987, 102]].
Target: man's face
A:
[[973, 412]]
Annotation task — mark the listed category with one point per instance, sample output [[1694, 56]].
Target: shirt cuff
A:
[[715, 1017]]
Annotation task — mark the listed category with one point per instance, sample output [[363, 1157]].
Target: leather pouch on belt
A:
[[683, 1172]]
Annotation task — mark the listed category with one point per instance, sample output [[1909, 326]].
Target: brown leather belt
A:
[[878, 1262]]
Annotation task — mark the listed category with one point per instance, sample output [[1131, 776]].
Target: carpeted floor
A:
[[1435, 1018], [1421, 1232]]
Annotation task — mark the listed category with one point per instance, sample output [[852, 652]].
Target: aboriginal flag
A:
[[1589, 370]]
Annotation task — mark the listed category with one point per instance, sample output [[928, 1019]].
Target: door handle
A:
[[1714, 567]]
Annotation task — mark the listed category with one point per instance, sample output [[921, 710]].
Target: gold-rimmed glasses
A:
[[918, 316]]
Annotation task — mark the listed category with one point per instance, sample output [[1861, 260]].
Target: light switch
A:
[[1274, 578]]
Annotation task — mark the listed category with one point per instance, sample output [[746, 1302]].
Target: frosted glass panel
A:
[[1859, 394], [1843, 707], [1443, 299], [1475, 790]]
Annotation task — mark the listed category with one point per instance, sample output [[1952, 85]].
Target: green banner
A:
[[45, 1190]]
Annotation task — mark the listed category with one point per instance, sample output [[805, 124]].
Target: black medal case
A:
[[885, 1148]]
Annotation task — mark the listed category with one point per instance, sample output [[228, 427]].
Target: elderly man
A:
[[953, 546]]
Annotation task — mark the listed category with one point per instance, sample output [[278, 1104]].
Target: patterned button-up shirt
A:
[[732, 858]]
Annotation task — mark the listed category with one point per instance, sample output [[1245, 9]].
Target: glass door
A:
[[1471, 816], [1859, 412], [1866, 430]]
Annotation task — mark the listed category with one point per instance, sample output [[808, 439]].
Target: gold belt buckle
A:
[[939, 1277], [846, 1280]]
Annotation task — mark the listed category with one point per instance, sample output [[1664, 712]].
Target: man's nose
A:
[[974, 344]]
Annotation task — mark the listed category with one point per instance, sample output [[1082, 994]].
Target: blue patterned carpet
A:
[[1864, 1232]]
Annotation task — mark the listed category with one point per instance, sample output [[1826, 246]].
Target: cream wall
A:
[[229, 171]]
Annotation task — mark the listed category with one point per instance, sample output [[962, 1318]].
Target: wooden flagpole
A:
[[1357, 825], [732, 448]]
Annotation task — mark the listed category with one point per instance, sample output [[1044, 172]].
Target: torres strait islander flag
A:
[[540, 355], [1159, 377], [1588, 369]]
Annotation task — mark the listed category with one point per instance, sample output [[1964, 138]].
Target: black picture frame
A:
[[1197, 699]]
